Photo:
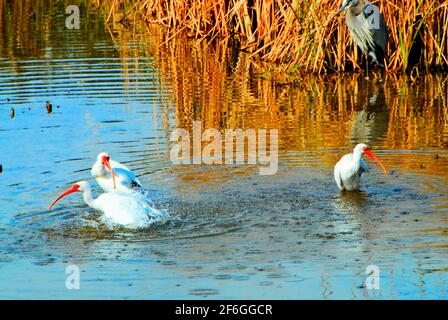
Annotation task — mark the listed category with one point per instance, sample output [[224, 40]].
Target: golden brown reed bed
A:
[[318, 112], [300, 36]]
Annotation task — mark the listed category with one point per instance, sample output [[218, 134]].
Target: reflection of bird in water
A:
[[349, 212], [351, 203], [371, 122]]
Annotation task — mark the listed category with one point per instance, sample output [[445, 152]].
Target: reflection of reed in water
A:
[[418, 112], [36, 29]]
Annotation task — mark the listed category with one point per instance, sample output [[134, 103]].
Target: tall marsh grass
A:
[[219, 86], [300, 36]]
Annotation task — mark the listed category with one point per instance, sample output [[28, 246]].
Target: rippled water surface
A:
[[233, 233]]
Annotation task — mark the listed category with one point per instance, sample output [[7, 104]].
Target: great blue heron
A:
[[367, 27]]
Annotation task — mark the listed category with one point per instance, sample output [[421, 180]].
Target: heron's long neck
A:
[[88, 198], [98, 169]]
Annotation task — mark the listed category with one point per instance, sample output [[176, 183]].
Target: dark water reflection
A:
[[234, 233]]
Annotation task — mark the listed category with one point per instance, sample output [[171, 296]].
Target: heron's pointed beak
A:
[[344, 6], [106, 163], [341, 9], [73, 189], [374, 158]]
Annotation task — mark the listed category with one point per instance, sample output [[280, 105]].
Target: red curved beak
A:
[[374, 158], [106, 163], [73, 189]]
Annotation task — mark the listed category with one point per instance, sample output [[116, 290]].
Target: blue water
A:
[[233, 234]]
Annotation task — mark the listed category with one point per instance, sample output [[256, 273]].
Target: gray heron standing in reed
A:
[[368, 29]]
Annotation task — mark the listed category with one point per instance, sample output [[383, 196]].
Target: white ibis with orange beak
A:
[[112, 175], [349, 169], [120, 208]]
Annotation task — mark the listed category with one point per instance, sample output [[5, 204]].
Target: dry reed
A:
[[302, 36]]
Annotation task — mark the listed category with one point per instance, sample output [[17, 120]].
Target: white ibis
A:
[[120, 208], [349, 169], [112, 175]]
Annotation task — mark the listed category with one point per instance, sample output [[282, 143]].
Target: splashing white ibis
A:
[[112, 175], [120, 208]]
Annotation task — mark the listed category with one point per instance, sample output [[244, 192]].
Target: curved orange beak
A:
[[374, 158], [73, 189], [106, 163]]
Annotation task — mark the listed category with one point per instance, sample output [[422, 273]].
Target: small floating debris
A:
[[7, 99], [1, 168], [49, 107], [436, 156], [11, 113]]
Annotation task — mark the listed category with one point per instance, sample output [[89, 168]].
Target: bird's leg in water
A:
[[366, 54]]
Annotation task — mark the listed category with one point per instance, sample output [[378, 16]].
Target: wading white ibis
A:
[[349, 169], [120, 208], [112, 175]]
